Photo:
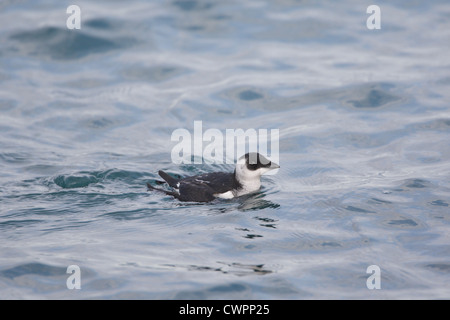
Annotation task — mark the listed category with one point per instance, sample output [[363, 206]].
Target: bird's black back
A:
[[203, 187]]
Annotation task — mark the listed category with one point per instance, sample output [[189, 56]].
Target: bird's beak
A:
[[274, 165], [271, 166]]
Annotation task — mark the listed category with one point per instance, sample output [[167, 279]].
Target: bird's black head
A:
[[251, 166], [255, 161]]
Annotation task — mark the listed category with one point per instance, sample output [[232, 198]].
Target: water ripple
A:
[[63, 44]]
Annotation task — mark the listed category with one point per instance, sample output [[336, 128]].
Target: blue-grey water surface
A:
[[86, 118]]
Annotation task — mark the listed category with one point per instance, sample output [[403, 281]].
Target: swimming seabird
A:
[[206, 187]]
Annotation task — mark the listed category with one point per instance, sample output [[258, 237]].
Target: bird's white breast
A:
[[225, 195]]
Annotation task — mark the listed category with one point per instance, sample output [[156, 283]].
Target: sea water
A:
[[86, 118]]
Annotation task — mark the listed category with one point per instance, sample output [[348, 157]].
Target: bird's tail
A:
[[169, 179], [170, 193]]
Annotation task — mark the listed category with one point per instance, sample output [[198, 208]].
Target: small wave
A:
[[84, 179], [63, 44], [33, 268], [75, 181]]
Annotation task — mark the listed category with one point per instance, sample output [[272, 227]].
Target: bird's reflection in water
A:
[[245, 203], [249, 203], [255, 202], [239, 269]]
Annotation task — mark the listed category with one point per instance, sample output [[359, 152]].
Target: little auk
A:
[[206, 187]]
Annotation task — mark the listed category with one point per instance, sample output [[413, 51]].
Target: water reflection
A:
[[236, 268], [255, 202]]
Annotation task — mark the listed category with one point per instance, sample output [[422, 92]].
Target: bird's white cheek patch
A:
[[225, 195]]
